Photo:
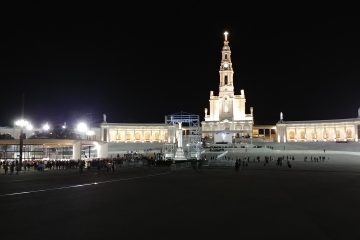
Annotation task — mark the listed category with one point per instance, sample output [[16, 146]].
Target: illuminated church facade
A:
[[226, 119]]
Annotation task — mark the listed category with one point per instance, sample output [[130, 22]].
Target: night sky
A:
[[141, 67]]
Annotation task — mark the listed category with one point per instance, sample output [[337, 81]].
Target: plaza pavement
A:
[[210, 203]]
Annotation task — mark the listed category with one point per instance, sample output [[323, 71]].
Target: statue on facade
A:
[[104, 117], [281, 117], [359, 112]]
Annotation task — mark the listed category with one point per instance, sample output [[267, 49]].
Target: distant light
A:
[[82, 127], [46, 127], [22, 123]]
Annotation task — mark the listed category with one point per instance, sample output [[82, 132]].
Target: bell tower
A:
[[226, 87], [227, 118]]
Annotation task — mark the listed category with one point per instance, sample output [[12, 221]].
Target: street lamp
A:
[[188, 150], [22, 123], [89, 134], [46, 127]]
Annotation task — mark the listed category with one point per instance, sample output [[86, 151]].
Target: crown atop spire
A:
[[226, 42]]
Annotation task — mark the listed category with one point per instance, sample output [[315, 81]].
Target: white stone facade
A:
[[227, 111], [138, 132], [338, 130]]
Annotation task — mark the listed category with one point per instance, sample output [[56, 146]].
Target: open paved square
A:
[[157, 203]]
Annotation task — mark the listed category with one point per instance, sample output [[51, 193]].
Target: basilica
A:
[[227, 118]]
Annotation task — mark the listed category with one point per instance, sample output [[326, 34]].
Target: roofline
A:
[[320, 121]]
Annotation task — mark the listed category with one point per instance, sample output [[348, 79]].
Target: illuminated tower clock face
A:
[[226, 65]]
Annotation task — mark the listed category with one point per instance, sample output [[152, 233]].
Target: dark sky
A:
[[139, 67]]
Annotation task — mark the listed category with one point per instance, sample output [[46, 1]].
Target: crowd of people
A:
[[108, 164], [244, 161]]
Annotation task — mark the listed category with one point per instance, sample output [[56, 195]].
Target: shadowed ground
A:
[[156, 203]]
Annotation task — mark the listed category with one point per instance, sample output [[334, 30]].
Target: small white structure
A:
[[179, 154]]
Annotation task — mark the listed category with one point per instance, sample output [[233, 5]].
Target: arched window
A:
[[225, 56], [302, 135], [313, 135], [325, 134], [337, 134], [348, 133], [226, 80], [291, 135]]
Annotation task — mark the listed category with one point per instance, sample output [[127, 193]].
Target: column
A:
[[76, 150], [102, 150]]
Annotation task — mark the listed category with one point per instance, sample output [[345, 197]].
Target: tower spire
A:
[[226, 70]]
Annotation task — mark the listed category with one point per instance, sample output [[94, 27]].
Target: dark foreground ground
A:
[[156, 203]]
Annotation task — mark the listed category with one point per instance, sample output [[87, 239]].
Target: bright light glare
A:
[[29, 127], [22, 123], [46, 127], [82, 127]]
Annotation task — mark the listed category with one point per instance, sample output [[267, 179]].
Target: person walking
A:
[[237, 165], [6, 168], [113, 166], [81, 166], [12, 168]]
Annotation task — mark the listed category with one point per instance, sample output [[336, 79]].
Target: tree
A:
[[6, 136]]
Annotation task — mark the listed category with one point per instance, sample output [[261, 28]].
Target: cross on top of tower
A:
[[226, 42], [226, 34]]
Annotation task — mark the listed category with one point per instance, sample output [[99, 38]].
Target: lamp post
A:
[[22, 123], [46, 128], [89, 134], [81, 128]]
